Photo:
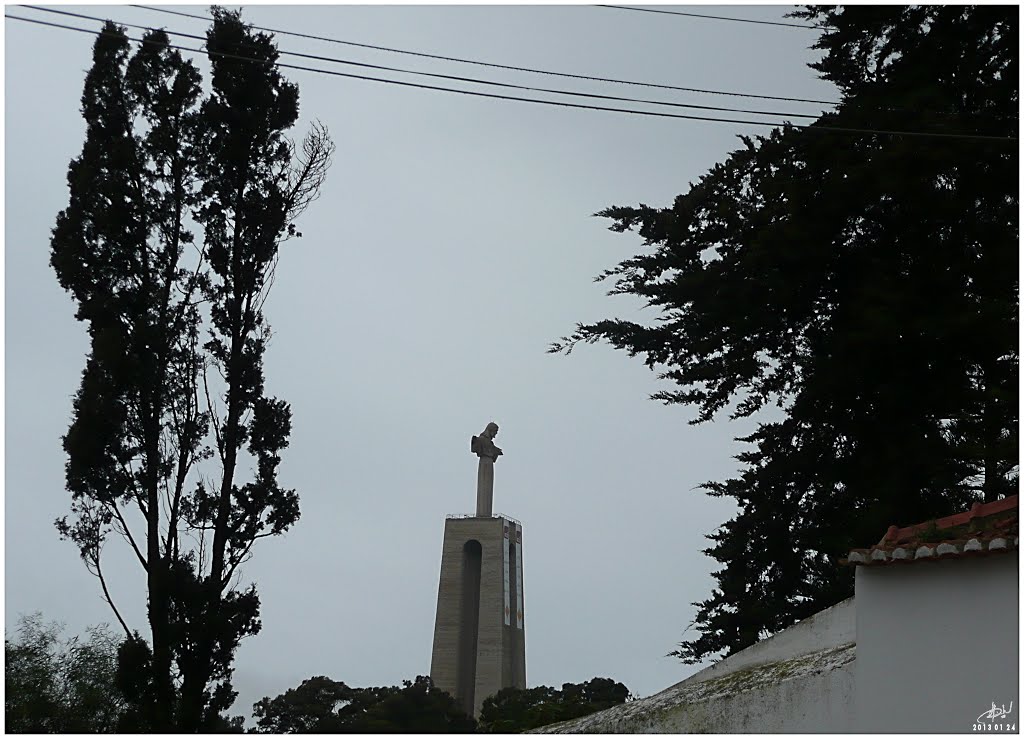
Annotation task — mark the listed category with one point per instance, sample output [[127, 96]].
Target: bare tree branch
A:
[[110, 601], [213, 414], [311, 170], [127, 534]]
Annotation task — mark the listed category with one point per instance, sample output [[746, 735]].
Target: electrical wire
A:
[[812, 127], [327, 39], [455, 78], [410, 84], [560, 74], [715, 17]]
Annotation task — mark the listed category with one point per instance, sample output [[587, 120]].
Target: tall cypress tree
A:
[[117, 248], [864, 283], [254, 184], [156, 161]]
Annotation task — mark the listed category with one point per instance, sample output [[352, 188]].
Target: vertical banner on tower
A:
[[519, 576], [504, 551]]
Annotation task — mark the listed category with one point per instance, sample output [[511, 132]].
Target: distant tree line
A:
[[58, 685], [320, 705], [511, 711]]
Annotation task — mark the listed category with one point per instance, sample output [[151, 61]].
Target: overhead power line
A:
[[333, 73], [459, 60], [538, 71], [473, 93], [715, 17], [455, 78]]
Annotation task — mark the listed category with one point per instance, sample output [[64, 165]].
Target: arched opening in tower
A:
[[469, 621]]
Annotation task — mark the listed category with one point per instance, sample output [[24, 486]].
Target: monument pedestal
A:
[[479, 635]]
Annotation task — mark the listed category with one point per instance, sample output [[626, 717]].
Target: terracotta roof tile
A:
[[987, 528]]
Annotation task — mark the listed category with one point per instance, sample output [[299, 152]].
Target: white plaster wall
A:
[[812, 693], [937, 644], [800, 680], [816, 703], [832, 627]]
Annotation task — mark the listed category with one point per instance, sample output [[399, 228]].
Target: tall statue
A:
[[483, 447]]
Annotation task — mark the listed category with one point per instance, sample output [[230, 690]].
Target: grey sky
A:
[[452, 243]]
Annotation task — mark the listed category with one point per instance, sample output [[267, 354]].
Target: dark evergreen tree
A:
[[157, 160], [867, 284], [117, 248]]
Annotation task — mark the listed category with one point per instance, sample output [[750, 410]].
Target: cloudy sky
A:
[[452, 244]]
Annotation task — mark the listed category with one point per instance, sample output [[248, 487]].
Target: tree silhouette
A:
[[867, 285], [162, 418]]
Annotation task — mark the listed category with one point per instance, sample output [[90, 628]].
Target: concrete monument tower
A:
[[479, 639]]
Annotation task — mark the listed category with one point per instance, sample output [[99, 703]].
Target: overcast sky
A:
[[452, 244]]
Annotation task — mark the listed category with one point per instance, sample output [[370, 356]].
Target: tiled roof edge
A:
[[959, 549], [978, 510]]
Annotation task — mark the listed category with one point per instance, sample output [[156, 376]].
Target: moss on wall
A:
[[701, 706]]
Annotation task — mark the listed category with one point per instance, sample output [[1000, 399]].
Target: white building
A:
[[928, 644], [937, 642]]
